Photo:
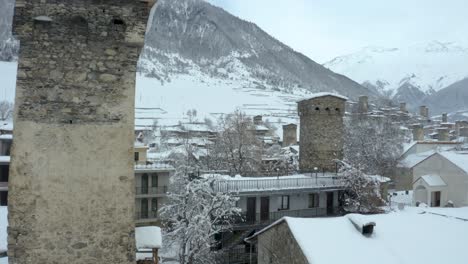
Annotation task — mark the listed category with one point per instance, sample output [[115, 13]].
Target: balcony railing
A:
[[268, 218], [146, 215], [253, 185], [151, 190]]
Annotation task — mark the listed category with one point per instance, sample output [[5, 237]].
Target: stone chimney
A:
[[443, 134], [363, 106], [289, 135], [418, 132], [444, 118], [258, 120], [403, 107]]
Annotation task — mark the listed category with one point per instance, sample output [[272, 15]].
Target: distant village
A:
[[296, 176]]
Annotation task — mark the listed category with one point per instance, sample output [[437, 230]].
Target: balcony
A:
[[151, 191], [247, 221], [270, 184], [148, 216]]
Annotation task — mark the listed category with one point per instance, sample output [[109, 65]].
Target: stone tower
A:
[[71, 185], [321, 132], [289, 135]]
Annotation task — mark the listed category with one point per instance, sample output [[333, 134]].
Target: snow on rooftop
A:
[[405, 237], [154, 166], [433, 180], [6, 136], [322, 94], [459, 158], [414, 159], [148, 237], [3, 228], [4, 159]]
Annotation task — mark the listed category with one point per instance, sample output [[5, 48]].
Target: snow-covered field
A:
[[169, 102]]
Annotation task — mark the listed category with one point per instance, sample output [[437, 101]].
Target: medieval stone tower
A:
[[321, 132], [71, 185]]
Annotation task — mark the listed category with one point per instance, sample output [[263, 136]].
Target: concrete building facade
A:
[[321, 132], [74, 118]]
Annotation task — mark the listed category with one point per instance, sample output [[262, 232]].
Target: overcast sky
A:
[[324, 29]]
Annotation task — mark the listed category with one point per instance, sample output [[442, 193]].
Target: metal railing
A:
[[151, 190], [144, 215], [266, 219], [252, 185]]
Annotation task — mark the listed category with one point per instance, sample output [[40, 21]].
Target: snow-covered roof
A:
[[433, 180], [405, 237], [261, 128], [148, 237], [6, 126], [3, 228], [414, 159], [323, 94], [4, 159], [458, 158], [6, 137]]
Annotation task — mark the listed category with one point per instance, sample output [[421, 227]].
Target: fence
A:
[[251, 185]]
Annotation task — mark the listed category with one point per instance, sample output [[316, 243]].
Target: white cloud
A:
[[323, 29]]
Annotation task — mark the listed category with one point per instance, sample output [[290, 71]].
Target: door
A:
[[264, 209], [330, 199], [144, 208], [251, 209], [144, 184], [436, 199]]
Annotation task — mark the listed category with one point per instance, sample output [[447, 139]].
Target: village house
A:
[[441, 179], [386, 239], [5, 145], [151, 181]]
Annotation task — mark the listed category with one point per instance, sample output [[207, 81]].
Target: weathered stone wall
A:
[[289, 135], [278, 246], [321, 133], [72, 159]]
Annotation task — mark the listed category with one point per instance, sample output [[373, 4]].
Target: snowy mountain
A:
[[198, 56], [406, 73], [453, 99]]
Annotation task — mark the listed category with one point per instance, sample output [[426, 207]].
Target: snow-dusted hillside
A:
[[429, 67]]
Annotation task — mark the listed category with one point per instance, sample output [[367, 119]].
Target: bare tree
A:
[[236, 146], [373, 145], [6, 110]]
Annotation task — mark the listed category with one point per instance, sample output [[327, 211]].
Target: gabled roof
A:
[[433, 180], [460, 159], [396, 238]]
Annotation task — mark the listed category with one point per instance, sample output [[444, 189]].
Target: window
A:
[[3, 198], [144, 208], [284, 202], [137, 156], [314, 200], [154, 180], [154, 207]]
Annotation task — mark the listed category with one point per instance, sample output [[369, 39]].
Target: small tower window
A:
[[337, 110], [117, 28], [317, 108]]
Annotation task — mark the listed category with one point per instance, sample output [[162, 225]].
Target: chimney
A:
[[444, 118], [257, 120], [422, 111], [362, 224], [363, 104], [443, 134], [289, 135], [403, 107], [418, 132]]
